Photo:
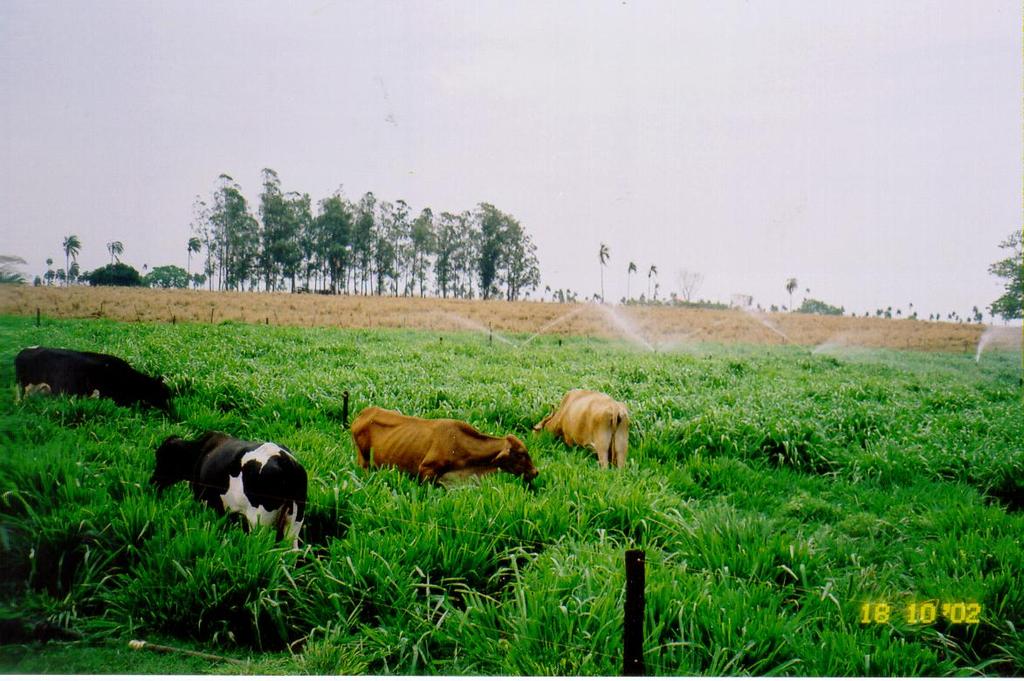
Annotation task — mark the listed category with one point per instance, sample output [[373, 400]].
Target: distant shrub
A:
[[702, 304], [675, 302], [812, 306], [166, 276], [118, 274]]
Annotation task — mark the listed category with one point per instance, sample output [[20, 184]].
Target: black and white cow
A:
[[259, 480], [57, 370]]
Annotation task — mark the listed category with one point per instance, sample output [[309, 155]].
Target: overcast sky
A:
[[871, 150]]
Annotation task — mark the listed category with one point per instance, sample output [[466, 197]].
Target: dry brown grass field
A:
[[657, 326]]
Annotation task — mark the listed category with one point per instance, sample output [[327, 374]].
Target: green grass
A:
[[773, 490]]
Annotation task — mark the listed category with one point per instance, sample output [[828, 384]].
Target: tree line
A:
[[373, 246], [363, 247]]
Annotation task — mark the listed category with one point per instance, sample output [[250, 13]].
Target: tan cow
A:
[[441, 450], [594, 420]]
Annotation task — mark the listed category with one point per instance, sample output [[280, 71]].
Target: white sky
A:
[[871, 150]]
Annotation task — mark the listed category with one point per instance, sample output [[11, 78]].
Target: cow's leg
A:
[[362, 441], [37, 389], [432, 468], [457, 477], [430, 471], [602, 445]]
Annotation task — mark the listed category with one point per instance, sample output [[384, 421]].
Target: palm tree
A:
[[602, 254], [790, 287], [194, 246], [629, 270], [653, 272], [71, 248], [116, 248]]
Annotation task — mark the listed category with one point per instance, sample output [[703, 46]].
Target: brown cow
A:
[[594, 420], [441, 450]]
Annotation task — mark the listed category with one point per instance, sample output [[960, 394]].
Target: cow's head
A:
[[513, 458], [157, 393], [175, 461]]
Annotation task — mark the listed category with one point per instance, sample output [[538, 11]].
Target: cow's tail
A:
[[620, 437], [614, 419], [283, 516]]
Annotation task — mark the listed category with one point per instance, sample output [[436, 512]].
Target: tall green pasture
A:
[[774, 490]]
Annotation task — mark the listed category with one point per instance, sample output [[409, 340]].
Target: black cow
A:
[[259, 480], [57, 370]]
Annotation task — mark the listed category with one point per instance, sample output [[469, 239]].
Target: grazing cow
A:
[[438, 450], [594, 420], [56, 370], [259, 480]]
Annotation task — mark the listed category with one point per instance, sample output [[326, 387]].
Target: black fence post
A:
[[633, 617], [344, 409]]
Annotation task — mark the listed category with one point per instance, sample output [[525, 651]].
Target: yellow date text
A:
[[920, 612]]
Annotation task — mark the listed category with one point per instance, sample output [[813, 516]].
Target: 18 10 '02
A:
[[920, 612]]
